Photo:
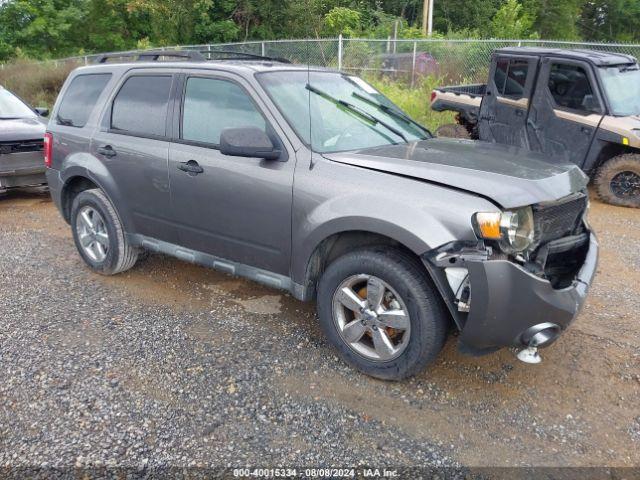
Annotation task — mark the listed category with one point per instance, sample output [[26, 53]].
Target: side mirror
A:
[[43, 112], [247, 142]]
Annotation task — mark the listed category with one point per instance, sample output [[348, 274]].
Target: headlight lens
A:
[[514, 229]]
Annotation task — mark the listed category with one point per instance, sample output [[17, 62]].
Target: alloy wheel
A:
[[371, 318], [626, 184], [92, 233]]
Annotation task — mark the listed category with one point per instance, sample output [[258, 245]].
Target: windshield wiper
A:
[[391, 111], [357, 110]]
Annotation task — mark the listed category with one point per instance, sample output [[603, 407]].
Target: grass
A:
[[37, 83], [414, 100]]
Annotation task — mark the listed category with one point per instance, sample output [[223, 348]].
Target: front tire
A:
[[618, 180], [380, 310], [99, 235]]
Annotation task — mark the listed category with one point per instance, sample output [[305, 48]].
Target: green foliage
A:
[[610, 20], [342, 20], [511, 21], [555, 20], [58, 28], [41, 26], [467, 15], [415, 101]]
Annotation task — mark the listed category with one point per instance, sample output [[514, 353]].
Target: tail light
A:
[[433, 95], [48, 149]]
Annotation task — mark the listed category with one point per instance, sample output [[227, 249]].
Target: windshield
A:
[[334, 112], [622, 86], [12, 107]]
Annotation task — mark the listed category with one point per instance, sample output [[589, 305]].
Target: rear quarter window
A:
[[140, 107], [80, 98]]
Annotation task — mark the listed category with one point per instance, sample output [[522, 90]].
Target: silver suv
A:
[[311, 181]]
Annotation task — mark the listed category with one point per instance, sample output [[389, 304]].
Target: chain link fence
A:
[[452, 61]]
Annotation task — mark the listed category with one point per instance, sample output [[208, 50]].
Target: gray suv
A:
[[311, 181]]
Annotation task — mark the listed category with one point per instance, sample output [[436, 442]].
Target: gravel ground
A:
[[173, 365]]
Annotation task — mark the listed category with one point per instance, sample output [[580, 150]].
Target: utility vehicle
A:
[[580, 106]]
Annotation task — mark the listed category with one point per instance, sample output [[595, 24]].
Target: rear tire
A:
[[452, 130], [617, 181], [402, 276], [99, 235]]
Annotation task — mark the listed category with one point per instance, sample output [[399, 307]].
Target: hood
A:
[[510, 176], [17, 129]]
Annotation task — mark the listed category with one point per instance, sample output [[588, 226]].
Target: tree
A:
[[511, 21], [610, 20], [469, 15], [555, 20], [41, 28], [111, 26], [342, 20]]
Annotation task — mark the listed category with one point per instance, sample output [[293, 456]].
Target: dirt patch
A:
[[580, 407]]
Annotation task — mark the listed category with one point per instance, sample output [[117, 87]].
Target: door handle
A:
[[107, 151], [586, 130], [191, 167], [519, 113]]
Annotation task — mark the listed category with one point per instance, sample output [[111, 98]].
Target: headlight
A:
[[513, 229]]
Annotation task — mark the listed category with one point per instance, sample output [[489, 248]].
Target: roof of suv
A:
[[240, 67], [597, 58]]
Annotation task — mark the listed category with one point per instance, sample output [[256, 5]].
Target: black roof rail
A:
[[231, 55], [154, 55]]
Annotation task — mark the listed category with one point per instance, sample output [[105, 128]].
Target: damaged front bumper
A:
[[508, 304]]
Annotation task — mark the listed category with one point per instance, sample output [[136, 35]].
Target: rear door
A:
[[503, 112], [566, 110], [236, 208], [134, 146]]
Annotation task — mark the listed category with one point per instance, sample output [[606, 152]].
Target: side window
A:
[[570, 87], [510, 77], [140, 106], [80, 98], [500, 76], [516, 78], [211, 105]]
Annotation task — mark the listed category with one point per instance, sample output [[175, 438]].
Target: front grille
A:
[[559, 219], [561, 238], [22, 146]]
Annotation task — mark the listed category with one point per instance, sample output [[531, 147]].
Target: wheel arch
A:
[[605, 147], [336, 243], [77, 179]]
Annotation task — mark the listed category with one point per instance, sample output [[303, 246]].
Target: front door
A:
[[566, 111], [235, 208], [503, 112]]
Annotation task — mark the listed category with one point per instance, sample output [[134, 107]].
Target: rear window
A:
[[140, 107], [80, 98]]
